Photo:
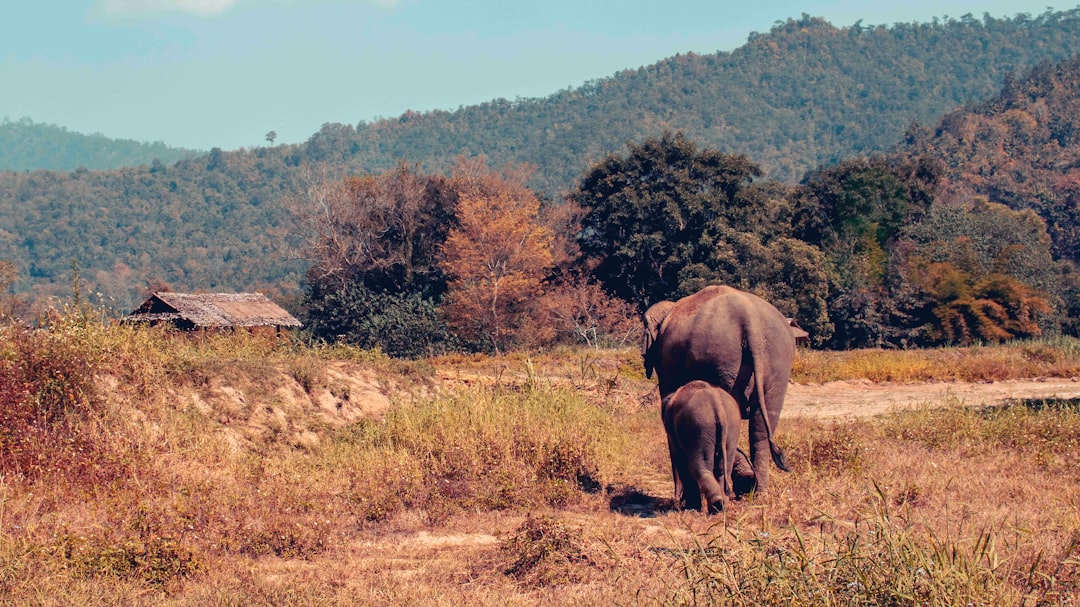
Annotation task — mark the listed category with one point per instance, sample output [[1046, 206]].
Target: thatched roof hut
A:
[[189, 311]]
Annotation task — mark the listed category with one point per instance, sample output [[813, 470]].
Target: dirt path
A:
[[865, 399], [840, 399]]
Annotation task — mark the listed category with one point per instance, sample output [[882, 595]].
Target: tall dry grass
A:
[[942, 506], [1048, 357], [180, 493], [547, 484]]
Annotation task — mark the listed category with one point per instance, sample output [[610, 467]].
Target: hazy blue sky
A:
[[206, 73]]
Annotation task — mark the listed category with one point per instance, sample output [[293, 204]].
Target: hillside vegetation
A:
[[146, 468], [27, 146], [804, 94], [1020, 147]]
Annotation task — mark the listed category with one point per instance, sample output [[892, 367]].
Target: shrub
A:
[[52, 420], [154, 560], [406, 325], [835, 449], [543, 552]]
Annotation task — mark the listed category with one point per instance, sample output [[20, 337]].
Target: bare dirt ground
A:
[[851, 399]]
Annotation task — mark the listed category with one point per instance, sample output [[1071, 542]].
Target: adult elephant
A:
[[736, 341]]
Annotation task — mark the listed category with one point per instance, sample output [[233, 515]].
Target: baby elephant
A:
[[702, 424]]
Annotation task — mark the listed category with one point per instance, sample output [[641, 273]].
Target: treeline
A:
[[966, 233], [416, 263], [803, 95], [26, 146], [865, 253], [216, 222]]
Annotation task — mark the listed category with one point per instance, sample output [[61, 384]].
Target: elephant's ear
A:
[[647, 355], [800, 334], [652, 320], [648, 336]]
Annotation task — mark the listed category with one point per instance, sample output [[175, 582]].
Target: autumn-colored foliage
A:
[[382, 230], [51, 417], [496, 259], [578, 311], [976, 272], [994, 308]]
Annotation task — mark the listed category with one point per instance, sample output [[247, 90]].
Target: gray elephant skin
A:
[[702, 424], [735, 341]]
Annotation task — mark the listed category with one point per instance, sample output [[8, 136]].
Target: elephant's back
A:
[[714, 309], [702, 404], [705, 335], [702, 339], [750, 313]]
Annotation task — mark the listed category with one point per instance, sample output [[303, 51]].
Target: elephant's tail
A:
[[777, 453], [778, 456]]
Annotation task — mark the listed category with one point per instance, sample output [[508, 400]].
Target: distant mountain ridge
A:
[[29, 146], [802, 95]]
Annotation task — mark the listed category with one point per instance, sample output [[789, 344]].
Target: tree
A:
[[384, 230], [966, 309], [977, 272], [853, 211], [576, 310], [496, 258], [374, 241], [669, 218], [403, 324], [271, 136], [860, 204], [648, 214]]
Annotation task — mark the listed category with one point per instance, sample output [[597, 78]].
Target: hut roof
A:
[[214, 310]]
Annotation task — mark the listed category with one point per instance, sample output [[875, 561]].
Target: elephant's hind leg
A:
[[709, 487], [743, 479], [691, 490]]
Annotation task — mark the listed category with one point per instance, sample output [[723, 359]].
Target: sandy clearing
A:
[[865, 399]]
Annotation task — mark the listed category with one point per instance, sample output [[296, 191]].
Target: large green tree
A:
[[853, 211], [670, 217], [648, 213]]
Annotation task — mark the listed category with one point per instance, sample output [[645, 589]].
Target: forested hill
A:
[[804, 94], [26, 146], [1020, 148], [800, 95]]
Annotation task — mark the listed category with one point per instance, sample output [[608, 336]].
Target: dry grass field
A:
[[143, 468]]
